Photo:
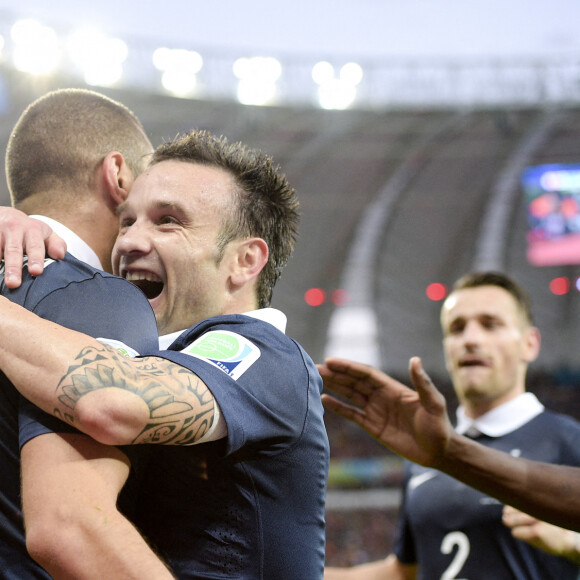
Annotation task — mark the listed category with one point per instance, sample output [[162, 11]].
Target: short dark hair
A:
[[491, 278], [265, 206], [62, 137]]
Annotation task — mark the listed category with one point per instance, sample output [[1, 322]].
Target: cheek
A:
[[512, 360], [450, 354]]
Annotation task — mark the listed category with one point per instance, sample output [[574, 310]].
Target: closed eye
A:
[[168, 219]]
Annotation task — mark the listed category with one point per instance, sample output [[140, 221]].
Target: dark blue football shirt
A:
[[454, 531], [249, 506], [83, 298]]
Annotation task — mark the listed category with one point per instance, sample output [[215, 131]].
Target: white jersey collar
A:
[[503, 419], [271, 315], [75, 245]]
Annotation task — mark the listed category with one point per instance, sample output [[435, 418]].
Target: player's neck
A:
[[98, 229]]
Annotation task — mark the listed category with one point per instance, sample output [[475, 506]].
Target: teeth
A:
[[137, 276]]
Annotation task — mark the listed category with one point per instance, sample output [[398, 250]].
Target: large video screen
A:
[[553, 202]]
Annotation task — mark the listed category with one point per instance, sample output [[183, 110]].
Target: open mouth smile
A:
[[150, 284]]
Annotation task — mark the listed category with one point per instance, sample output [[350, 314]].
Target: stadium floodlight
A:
[[254, 92], [322, 72], [257, 79], [99, 57], [351, 73], [336, 93], [36, 47], [180, 68]]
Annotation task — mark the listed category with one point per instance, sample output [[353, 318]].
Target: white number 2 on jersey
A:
[[450, 541]]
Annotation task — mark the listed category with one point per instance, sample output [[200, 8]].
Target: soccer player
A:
[[72, 157], [446, 528], [235, 485]]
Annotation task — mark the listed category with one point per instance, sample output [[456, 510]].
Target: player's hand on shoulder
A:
[[22, 235]]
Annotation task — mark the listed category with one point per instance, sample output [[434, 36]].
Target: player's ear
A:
[[117, 178], [249, 258], [532, 342]]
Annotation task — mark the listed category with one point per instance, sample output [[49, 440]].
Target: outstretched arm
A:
[[20, 235], [114, 399], [414, 424]]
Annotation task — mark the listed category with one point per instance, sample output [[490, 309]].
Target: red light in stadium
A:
[[315, 296], [436, 291], [560, 286], [340, 297]]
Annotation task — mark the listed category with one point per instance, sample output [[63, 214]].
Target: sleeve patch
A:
[[230, 352], [121, 347]]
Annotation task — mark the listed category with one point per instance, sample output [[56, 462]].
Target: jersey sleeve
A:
[[261, 379], [101, 307]]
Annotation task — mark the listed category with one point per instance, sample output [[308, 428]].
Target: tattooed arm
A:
[[120, 400], [115, 400]]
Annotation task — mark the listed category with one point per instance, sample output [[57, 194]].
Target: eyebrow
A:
[[158, 205], [482, 316]]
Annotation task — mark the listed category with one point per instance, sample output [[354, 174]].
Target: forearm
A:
[[116, 400], [93, 552], [70, 485], [548, 492]]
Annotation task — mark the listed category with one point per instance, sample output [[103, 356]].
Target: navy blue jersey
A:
[[250, 506], [449, 528], [80, 297]]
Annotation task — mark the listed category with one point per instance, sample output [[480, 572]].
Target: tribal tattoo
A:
[[181, 408]]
